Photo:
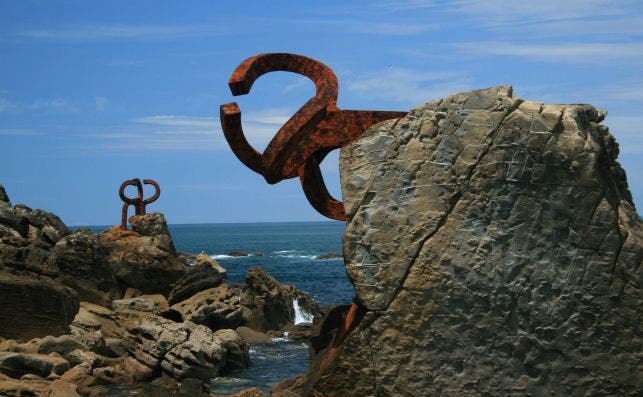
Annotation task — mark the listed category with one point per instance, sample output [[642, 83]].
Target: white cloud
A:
[[353, 26], [195, 123], [55, 105], [103, 32], [410, 87], [566, 52]]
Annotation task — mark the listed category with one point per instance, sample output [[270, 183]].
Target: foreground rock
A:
[[148, 263], [495, 250], [32, 308]]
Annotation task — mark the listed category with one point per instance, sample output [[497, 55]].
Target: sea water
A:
[[287, 251]]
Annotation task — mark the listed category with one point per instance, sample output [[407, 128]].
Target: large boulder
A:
[[205, 273], [80, 262], [216, 308], [32, 308], [494, 249], [268, 305], [148, 263]]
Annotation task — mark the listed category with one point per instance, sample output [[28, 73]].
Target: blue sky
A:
[[93, 93]]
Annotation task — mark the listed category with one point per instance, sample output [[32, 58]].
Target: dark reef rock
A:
[[494, 249], [32, 308], [268, 305], [330, 255]]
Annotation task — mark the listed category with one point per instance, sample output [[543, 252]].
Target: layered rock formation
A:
[[494, 249]]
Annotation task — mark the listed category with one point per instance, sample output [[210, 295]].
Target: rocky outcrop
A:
[[80, 262], [32, 308], [148, 263], [205, 273], [494, 249], [216, 308], [268, 305]]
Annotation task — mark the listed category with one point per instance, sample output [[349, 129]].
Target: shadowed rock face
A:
[[495, 246]]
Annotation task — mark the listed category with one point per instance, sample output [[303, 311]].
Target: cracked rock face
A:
[[495, 246]]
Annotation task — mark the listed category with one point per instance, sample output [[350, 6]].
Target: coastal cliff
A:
[[494, 249]]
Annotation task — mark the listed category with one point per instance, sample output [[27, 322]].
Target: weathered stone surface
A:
[[268, 305], [155, 304], [253, 337], [147, 263], [4, 198], [294, 387], [495, 247], [237, 350], [32, 308], [16, 365], [80, 262], [215, 308], [62, 345], [154, 225], [205, 273]]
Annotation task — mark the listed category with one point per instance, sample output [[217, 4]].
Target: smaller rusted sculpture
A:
[[138, 202]]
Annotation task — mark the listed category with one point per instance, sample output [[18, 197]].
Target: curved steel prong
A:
[[230, 116], [131, 182], [282, 147], [312, 182], [157, 192]]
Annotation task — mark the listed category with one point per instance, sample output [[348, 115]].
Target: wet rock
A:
[[253, 337], [330, 255], [147, 263], [32, 308], [237, 350], [16, 365], [80, 262], [251, 392], [238, 253], [205, 273], [268, 305], [216, 308], [495, 250]]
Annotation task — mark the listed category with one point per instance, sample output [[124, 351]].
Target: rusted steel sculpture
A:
[[138, 202], [301, 144]]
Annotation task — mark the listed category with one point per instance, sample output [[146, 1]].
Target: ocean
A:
[[287, 251]]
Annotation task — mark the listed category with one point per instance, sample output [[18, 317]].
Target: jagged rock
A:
[[182, 350], [4, 198], [147, 263], [80, 262], [237, 350], [494, 249], [15, 364], [215, 308], [155, 304], [32, 308], [205, 273], [154, 225], [238, 253], [268, 305]]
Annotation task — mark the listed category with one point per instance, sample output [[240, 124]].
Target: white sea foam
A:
[[299, 256], [301, 315], [222, 256], [283, 251]]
